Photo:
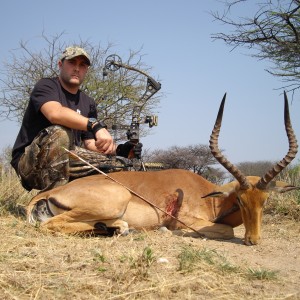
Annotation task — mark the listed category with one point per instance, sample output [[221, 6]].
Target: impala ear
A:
[[224, 190], [281, 187], [217, 194]]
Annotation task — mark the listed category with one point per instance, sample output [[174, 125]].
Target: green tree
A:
[[258, 168], [273, 33], [196, 158], [116, 94]]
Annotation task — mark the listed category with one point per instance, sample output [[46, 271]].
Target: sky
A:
[[195, 71]]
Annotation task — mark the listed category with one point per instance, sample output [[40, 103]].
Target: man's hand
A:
[[104, 142], [130, 150]]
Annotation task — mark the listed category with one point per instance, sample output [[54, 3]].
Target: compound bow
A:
[[113, 63]]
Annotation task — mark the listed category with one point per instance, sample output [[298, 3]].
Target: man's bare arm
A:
[[60, 115]]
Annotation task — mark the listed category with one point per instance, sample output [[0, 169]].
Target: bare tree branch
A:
[[273, 34]]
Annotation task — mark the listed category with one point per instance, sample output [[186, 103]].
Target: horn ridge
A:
[[214, 147], [293, 149]]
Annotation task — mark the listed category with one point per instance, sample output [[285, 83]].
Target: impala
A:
[[173, 198]]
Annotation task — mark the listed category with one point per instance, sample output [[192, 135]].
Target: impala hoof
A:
[[40, 212]]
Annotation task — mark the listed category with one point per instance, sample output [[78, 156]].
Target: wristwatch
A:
[[94, 125], [91, 122]]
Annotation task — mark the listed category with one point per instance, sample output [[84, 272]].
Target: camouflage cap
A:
[[75, 51]]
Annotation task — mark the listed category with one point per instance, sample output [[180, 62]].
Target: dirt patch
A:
[[148, 265], [279, 252]]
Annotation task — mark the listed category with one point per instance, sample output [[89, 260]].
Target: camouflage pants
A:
[[46, 164]]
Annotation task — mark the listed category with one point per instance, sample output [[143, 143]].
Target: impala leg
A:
[[65, 223], [68, 222], [71, 209], [210, 230], [118, 224]]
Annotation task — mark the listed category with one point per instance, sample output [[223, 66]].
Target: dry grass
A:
[[145, 265], [36, 265], [13, 197], [284, 205]]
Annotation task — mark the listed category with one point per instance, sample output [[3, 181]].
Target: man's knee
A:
[[56, 135], [45, 162]]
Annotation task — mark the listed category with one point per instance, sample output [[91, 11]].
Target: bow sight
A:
[[113, 63]]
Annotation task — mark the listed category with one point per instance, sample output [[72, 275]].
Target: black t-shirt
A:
[[50, 89]]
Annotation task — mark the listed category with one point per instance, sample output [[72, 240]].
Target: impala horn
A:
[[213, 145], [293, 148]]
